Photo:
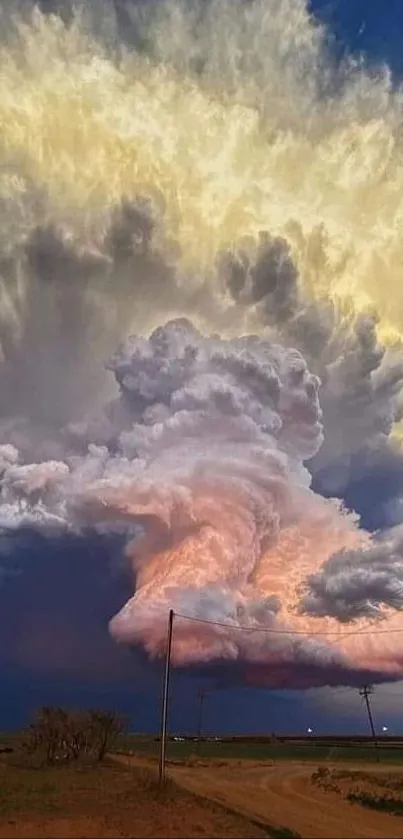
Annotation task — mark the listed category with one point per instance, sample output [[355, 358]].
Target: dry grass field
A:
[[205, 796], [107, 801]]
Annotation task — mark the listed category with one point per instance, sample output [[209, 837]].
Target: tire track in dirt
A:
[[283, 796]]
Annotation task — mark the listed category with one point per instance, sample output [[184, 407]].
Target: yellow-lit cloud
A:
[[251, 142]]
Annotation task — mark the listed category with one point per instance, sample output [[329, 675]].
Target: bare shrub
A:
[[64, 735], [104, 728]]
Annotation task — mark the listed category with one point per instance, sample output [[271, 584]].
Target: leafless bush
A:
[[103, 727], [322, 773], [64, 735]]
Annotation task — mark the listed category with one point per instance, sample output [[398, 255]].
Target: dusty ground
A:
[[379, 782], [121, 800], [284, 795], [109, 802]]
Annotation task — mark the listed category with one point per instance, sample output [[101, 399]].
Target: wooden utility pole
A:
[[202, 694], [165, 699], [366, 692]]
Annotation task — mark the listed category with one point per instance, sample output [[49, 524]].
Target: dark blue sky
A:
[[372, 26], [54, 643]]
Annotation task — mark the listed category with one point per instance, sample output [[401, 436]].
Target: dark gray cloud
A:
[[264, 274], [71, 303], [361, 381], [358, 584]]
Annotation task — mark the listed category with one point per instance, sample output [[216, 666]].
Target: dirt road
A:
[[283, 795]]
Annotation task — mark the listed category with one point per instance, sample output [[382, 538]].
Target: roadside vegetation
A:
[[374, 790], [60, 735], [384, 803], [59, 778]]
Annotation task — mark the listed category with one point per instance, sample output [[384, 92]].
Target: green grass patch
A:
[[28, 791], [233, 750], [52, 789]]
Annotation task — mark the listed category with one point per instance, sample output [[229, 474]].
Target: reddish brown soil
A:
[[284, 795], [110, 802]]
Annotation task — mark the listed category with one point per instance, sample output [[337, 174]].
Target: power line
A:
[[272, 631], [364, 692]]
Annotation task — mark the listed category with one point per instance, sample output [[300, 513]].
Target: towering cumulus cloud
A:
[[205, 460], [191, 173]]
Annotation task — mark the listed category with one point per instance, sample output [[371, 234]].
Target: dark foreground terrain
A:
[[108, 801], [215, 788]]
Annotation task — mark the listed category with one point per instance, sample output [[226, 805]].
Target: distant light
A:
[[384, 728], [310, 730]]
